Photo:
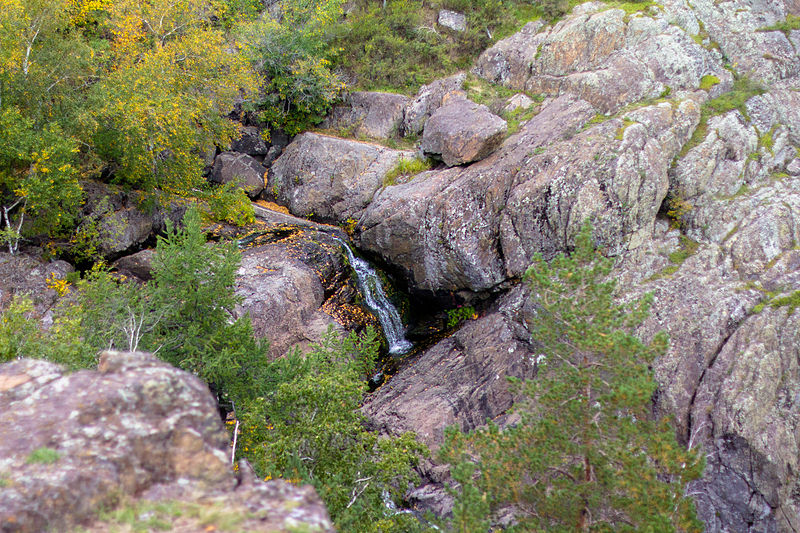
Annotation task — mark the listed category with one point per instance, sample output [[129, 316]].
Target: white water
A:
[[371, 288]]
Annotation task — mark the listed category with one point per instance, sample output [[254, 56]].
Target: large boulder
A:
[[240, 169], [295, 285], [368, 114], [115, 223], [25, 275], [328, 178], [605, 56], [429, 98], [73, 445], [476, 227], [462, 132]]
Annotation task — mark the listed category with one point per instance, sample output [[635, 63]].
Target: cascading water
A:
[[371, 288]]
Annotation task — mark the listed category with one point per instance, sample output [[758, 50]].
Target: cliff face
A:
[[677, 132]]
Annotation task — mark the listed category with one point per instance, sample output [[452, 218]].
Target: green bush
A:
[[299, 86], [307, 427]]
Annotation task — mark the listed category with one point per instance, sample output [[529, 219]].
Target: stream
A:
[[369, 283]]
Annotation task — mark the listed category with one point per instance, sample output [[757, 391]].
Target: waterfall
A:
[[371, 288]]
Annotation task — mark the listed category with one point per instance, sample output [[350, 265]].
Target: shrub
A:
[[587, 453], [307, 427]]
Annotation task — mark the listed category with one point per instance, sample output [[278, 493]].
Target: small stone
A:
[[518, 101], [453, 20]]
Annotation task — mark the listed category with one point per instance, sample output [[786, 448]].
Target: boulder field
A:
[[694, 192]]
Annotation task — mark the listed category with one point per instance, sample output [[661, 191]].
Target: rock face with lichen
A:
[[73, 445]]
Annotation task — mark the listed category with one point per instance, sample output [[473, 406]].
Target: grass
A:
[[688, 248], [791, 23], [406, 168], [708, 81], [161, 516], [43, 455], [743, 89]]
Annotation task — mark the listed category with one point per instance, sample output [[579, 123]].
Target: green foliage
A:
[[791, 23], [708, 81], [688, 248], [406, 168], [17, 329], [156, 116], [587, 454], [396, 46], [459, 315], [307, 427], [743, 89], [553, 9], [229, 203], [37, 172], [792, 301], [290, 53], [43, 456]]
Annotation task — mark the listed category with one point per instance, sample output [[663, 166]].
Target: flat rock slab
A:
[[233, 167], [369, 114], [462, 132]]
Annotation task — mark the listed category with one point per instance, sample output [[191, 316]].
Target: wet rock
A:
[[328, 178], [285, 279], [430, 98], [72, 445], [462, 132], [369, 114], [460, 380], [233, 167], [453, 20]]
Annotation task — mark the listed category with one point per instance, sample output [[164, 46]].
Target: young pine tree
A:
[[587, 453]]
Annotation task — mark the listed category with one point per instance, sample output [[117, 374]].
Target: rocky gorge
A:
[[675, 130]]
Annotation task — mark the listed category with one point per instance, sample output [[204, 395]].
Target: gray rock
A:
[[476, 227], [138, 265], [462, 132], [453, 20], [22, 274], [329, 178], [519, 101], [441, 228], [429, 99], [232, 167], [72, 445], [603, 56], [251, 142], [369, 114]]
